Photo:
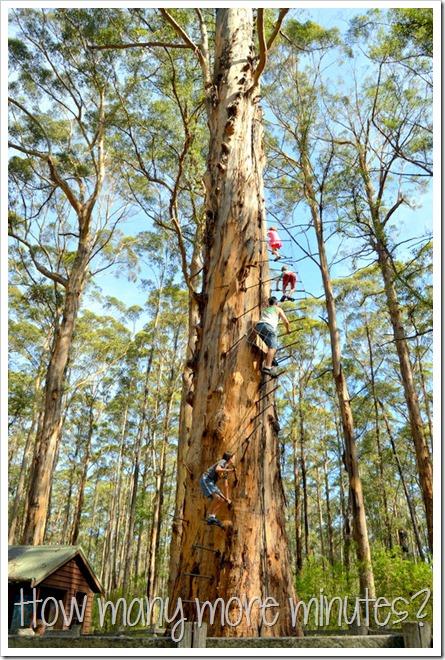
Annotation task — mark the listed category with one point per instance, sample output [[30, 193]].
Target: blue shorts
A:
[[208, 487], [267, 334]]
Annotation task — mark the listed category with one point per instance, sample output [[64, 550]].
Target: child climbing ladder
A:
[[275, 242], [267, 330]]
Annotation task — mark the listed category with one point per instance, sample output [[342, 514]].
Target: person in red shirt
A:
[[289, 280]]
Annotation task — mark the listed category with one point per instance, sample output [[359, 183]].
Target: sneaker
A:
[[283, 298], [274, 363], [266, 370], [289, 298], [214, 521], [277, 257]]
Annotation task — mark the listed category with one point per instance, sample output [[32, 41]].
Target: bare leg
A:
[[217, 501], [270, 356]]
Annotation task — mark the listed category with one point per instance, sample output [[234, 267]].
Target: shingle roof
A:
[[34, 563]]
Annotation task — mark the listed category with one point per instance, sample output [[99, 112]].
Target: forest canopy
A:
[[139, 266]]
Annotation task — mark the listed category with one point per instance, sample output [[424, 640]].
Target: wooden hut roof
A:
[[34, 563]]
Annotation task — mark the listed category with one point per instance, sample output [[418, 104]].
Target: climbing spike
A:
[[198, 575], [202, 547]]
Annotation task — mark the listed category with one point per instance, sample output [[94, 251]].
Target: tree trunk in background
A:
[[426, 401], [423, 457], [155, 532], [297, 494], [227, 411], [185, 421], [382, 484], [48, 438], [303, 468], [412, 511], [328, 510], [83, 477], [29, 446], [378, 241], [320, 515], [351, 462]]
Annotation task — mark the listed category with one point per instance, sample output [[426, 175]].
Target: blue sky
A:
[[408, 223]]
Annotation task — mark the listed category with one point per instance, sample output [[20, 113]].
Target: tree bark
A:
[[29, 447], [230, 411]]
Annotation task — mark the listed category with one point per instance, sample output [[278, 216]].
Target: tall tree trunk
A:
[[49, 435], [382, 483], [351, 462], [379, 243], [297, 494], [75, 530], [228, 406], [155, 534], [185, 419], [29, 446], [426, 401], [328, 510], [303, 468], [320, 515]]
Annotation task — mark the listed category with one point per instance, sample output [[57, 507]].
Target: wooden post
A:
[[195, 636], [199, 635], [416, 635], [186, 641]]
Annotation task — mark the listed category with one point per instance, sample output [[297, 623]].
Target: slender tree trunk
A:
[[230, 412], [355, 485], [48, 440], [320, 515], [155, 535], [297, 494], [411, 508], [75, 530], [424, 389], [303, 469], [387, 522], [328, 510], [379, 243], [421, 446], [185, 418]]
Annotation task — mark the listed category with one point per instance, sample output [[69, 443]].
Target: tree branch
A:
[[190, 44], [55, 277], [142, 44], [264, 46], [277, 27]]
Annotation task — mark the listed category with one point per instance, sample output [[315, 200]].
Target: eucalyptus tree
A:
[[225, 371], [63, 208], [305, 161], [383, 131], [31, 317]]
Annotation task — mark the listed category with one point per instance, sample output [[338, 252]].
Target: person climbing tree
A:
[[275, 242], [289, 280], [267, 330], [210, 489]]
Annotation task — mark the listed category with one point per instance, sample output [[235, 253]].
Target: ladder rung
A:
[[207, 577], [196, 545]]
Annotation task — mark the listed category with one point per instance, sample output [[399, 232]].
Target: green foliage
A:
[[311, 36], [395, 578]]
